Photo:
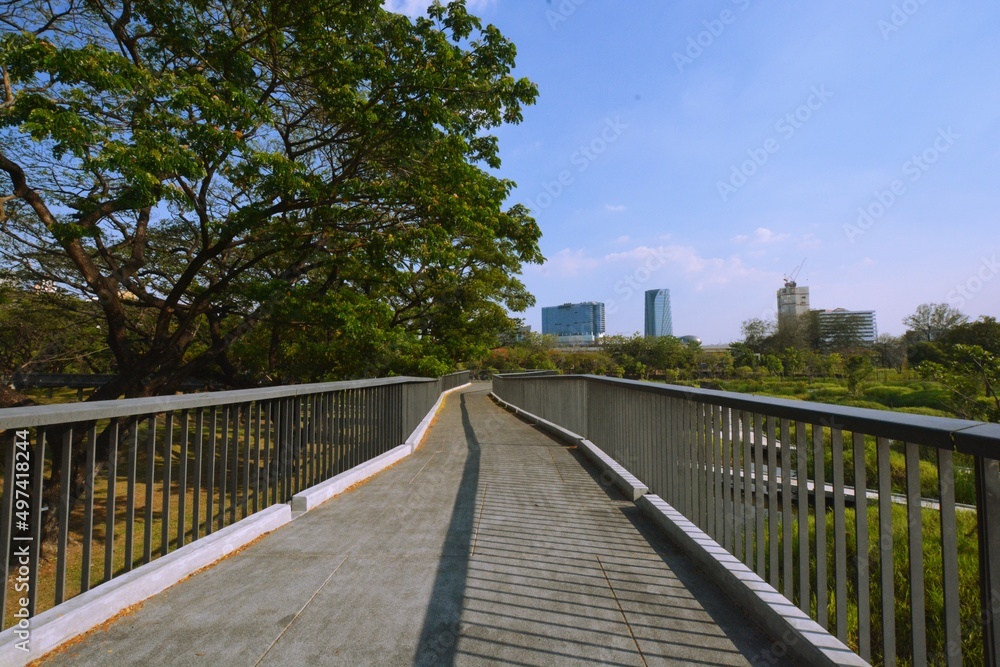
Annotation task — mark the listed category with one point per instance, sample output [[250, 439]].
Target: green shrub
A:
[[827, 391], [887, 395], [934, 397]]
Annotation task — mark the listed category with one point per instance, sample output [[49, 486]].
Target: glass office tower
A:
[[576, 322], [658, 321]]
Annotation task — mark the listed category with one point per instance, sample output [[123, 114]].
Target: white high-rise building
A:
[[858, 325]]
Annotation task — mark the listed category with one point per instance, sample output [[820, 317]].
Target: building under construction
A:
[[793, 300]]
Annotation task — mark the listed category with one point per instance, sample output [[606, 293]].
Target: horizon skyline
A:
[[698, 335], [712, 147]]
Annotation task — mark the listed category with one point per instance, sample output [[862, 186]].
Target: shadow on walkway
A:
[[492, 545], [741, 631], [442, 624]]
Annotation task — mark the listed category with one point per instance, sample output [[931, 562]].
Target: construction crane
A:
[[790, 278]]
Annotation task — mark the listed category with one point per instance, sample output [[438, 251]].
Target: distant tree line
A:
[[635, 357], [940, 344]]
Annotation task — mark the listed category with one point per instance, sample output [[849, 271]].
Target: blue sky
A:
[[710, 147]]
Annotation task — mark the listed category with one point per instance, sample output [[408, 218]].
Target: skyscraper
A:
[[658, 319], [574, 323]]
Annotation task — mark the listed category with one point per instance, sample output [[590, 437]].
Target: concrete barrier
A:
[[613, 471], [421, 430], [610, 469], [318, 494], [82, 613], [72, 618], [796, 634]]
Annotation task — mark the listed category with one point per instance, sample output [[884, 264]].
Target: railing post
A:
[[293, 437], [988, 518]]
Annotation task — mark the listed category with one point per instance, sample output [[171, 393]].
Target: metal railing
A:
[[883, 526], [77, 381], [92, 490]]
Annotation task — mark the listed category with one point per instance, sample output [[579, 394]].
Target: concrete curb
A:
[[421, 430], [320, 493], [610, 469], [800, 636], [614, 471], [82, 613], [552, 429], [86, 611], [509, 407]]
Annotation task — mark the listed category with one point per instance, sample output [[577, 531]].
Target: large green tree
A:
[[203, 170], [972, 375], [966, 360], [757, 335], [984, 332], [200, 168], [932, 321], [641, 356]]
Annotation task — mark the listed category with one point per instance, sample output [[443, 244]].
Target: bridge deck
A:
[[493, 544]]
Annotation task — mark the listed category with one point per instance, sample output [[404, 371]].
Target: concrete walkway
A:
[[493, 544]]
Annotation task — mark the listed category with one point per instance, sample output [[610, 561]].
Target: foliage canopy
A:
[[204, 169]]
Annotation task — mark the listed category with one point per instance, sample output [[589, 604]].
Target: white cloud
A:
[[809, 241], [647, 260], [703, 271], [622, 240], [765, 235], [761, 235], [419, 7], [615, 208], [684, 257]]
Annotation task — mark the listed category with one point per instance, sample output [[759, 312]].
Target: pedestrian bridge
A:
[[501, 539]]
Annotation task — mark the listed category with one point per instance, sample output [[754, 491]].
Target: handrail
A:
[[708, 454], [45, 415], [960, 435], [187, 465], [76, 380]]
